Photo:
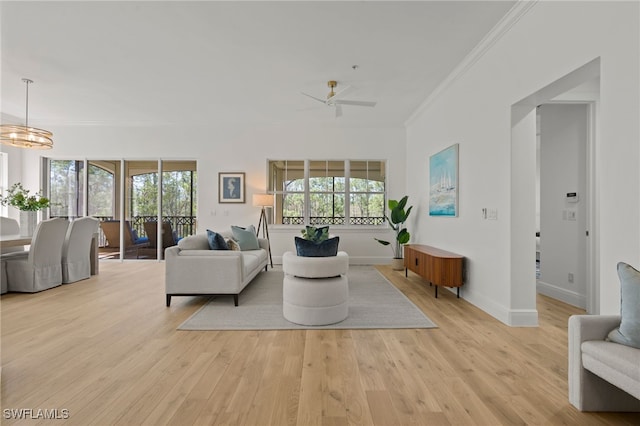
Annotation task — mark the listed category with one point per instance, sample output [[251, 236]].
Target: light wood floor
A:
[[107, 350]]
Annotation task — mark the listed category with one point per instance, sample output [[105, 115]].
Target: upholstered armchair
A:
[[168, 239], [132, 244]]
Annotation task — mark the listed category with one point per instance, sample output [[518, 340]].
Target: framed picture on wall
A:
[[231, 187], [443, 183]]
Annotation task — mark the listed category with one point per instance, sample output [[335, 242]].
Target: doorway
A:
[[523, 291], [562, 199]]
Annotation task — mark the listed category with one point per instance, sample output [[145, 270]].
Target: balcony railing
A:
[[182, 226], [335, 220]]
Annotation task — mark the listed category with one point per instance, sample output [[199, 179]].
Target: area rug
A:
[[373, 303]]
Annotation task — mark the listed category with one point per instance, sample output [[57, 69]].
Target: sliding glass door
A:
[[112, 190]]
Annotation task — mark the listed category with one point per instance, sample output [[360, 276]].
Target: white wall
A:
[[563, 143], [246, 149], [548, 41]]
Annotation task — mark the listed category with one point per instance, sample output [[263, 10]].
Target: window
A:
[[328, 192], [66, 183], [66, 180]]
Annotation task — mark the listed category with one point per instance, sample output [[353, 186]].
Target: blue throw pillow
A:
[[628, 333], [246, 237], [308, 248], [216, 241]]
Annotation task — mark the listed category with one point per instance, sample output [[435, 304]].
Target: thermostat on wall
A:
[[572, 197]]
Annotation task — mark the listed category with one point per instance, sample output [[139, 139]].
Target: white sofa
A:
[[603, 376], [191, 268]]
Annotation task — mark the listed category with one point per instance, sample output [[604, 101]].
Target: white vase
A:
[[28, 222]]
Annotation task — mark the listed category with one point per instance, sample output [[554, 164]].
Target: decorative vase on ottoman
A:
[[28, 222]]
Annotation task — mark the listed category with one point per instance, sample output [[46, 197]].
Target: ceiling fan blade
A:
[[338, 111], [356, 103], [314, 98]]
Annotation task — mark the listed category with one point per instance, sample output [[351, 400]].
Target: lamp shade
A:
[[262, 200]]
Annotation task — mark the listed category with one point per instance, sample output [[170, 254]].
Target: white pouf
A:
[[315, 289]]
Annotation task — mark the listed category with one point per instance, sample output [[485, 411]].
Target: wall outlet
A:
[[570, 277], [571, 215]]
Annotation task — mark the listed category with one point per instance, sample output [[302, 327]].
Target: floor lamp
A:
[[264, 200]]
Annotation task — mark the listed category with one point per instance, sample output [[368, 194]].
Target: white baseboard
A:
[[570, 297], [510, 317]]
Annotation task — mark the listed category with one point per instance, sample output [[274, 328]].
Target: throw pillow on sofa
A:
[[628, 333], [216, 241], [326, 248], [232, 244], [246, 237]]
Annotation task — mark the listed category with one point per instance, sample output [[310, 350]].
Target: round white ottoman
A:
[[315, 289]]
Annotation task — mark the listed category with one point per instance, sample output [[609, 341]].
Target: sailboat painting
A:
[[443, 183]]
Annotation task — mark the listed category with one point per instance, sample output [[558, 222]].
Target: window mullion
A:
[[307, 197], [347, 192]]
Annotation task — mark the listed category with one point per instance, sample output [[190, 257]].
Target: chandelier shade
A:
[[25, 136]]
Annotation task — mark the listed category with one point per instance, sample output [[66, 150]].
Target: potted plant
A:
[[317, 235], [20, 198], [396, 220]]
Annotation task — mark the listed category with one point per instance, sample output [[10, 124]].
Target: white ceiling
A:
[[158, 63]]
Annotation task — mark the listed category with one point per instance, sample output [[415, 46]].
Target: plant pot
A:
[[28, 222], [397, 264]]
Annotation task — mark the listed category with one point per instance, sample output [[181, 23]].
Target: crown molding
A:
[[521, 8]]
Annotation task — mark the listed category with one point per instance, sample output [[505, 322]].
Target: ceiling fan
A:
[[334, 100]]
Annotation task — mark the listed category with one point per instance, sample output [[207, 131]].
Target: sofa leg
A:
[[168, 300], [235, 299]]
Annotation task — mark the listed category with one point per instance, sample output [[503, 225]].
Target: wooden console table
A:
[[439, 267]]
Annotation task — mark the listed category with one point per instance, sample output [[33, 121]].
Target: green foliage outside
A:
[[327, 198], [177, 199]]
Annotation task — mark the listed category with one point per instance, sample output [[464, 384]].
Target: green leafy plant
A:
[[396, 220], [317, 235], [21, 199]]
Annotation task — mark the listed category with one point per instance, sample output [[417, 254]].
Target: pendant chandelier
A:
[[25, 136]]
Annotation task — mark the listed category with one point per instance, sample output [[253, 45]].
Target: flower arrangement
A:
[[19, 198]]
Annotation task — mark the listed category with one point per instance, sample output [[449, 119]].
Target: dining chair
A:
[[76, 250], [40, 268]]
